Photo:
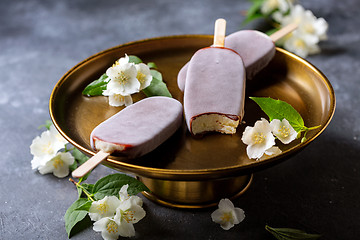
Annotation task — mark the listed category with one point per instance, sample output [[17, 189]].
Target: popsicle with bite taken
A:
[[135, 131], [215, 87]]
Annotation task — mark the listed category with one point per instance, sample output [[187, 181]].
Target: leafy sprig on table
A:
[[291, 234], [77, 213]]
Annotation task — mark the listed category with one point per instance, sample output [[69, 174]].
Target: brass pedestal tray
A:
[[186, 172]]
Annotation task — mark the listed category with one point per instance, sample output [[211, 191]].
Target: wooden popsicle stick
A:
[[90, 164], [283, 32], [219, 32]]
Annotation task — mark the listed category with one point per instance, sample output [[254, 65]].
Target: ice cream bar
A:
[[256, 49], [214, 91], [134, 131], [139, 128]]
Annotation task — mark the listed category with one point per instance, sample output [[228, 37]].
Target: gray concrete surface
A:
[[317, 190]]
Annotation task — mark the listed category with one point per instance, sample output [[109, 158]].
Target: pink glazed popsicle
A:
[[139, 128], [136, 130], [215, 88], [256, 49]]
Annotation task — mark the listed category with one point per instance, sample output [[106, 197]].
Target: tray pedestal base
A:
[[195, 194]]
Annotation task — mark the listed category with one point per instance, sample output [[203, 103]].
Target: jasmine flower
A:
[[227, 215]]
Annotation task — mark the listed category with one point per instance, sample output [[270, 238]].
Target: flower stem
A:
[[83, 189], [312, 128]]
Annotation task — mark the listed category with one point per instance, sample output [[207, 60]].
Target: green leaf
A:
[[97, 87], [156, 74], [277, 109], [152, 65], [134, 59], [252, 18], [291, 234], [73, 166], [74, 217], [79, 156], [88, 187], [84, 207], [254, 11], [111, 185], [157, 87]]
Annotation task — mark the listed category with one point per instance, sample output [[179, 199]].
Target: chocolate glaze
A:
[[215, 84], [141, 127], [255, 48]]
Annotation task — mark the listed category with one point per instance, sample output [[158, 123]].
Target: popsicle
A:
[[256, 49], [136, 130], [215, 87]]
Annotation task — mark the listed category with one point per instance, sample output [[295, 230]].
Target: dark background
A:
[[317, 190]]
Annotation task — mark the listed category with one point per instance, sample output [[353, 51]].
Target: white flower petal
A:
[[130, 87], [116, 100], [46, 145], [216, 215], [124, 60], [258, 138], [105, 207], [58, 165], [239, 215], [143, 75], [227, 225], [226, 205], [255, 151], [227, 215], [138, 213], [269, 6], [123, 79], [273, 151], [100, 224], [283, 130], [45, 169], [37, 162], [247, 136], [61, 172], [123, 194], [109, 229], [57, 136], [126, 229], [129, 211], [128, 100]]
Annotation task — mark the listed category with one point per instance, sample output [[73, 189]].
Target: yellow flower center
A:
[[112, 227], [259, 138], [141, 77], [284, 131], [299, 43], [119, 97], [128, 216], [46, 148], [115, 64], [103, 207], [309, 28], [58, 163], [226, 217], [122, 78], [273, 4]]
